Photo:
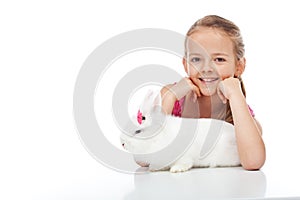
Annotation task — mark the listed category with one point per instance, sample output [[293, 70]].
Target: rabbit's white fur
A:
[[159, 131]]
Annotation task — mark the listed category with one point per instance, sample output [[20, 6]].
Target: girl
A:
[[214, 62]]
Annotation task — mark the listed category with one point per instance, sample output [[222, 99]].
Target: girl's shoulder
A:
[[178, 105]]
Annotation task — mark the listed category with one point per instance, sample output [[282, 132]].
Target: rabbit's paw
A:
[[181, 167]]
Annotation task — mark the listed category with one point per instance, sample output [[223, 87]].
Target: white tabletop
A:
[[91, 180]]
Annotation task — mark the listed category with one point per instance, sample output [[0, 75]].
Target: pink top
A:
[[178, 108]]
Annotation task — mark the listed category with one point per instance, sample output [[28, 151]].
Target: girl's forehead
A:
[[209, 40]]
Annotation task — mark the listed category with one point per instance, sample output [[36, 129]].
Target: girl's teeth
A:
[[208, 79]]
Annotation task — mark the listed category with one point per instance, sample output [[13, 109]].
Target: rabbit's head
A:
[[143, 134], [151, 103]]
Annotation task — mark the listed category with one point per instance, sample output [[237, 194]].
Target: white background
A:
[[44, 44]]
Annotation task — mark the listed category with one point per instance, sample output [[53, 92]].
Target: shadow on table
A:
[[199, 183]]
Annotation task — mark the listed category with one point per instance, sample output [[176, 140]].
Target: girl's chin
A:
[[208, 92]]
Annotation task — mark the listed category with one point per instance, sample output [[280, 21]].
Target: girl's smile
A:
[[209, 80]]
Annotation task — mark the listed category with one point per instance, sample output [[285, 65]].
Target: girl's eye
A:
[[195, 59], [220, 60]]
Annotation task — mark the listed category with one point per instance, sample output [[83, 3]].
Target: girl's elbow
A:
[[254, 160], [251, 167], [254, 164]]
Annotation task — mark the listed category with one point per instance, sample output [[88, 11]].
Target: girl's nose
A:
[[206, 69]]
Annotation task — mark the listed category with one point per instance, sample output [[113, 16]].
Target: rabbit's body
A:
[[166, 142], [219, 150]]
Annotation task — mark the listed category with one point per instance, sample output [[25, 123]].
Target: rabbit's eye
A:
[[138, 131], [143, 118]]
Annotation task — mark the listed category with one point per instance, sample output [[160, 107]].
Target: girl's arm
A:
[[250, 144], [173, 92], [167, 99], [248, 134]]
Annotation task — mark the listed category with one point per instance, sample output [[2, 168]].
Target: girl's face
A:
[[210, 59]]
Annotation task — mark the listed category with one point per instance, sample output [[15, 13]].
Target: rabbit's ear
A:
[[157, 100], [151, 100]]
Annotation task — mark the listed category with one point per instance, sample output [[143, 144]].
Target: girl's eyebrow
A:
[[214, 54], [220, 54], [195, 54]]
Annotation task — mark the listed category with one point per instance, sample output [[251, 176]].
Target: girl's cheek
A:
[[192, 72], [225, 74]]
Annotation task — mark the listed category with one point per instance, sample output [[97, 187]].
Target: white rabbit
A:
[[165, 142]]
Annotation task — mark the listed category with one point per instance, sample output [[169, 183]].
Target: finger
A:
[[195, 88], [221, 95], [196, 91], [194, 97]]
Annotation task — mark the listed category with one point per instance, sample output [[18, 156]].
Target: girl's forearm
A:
[[248, 134], [168, 99]]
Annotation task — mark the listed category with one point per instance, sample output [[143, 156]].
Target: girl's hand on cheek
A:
[[228, 88], [184, 86]]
